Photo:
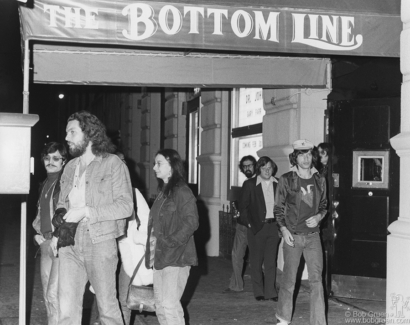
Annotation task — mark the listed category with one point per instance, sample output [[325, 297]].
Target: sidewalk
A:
[[203, 299]]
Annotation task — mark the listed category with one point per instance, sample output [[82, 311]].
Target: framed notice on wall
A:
[[370, 169]]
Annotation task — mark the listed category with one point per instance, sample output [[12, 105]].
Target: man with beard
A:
[[240, 242], [54, 157], [97, 194]]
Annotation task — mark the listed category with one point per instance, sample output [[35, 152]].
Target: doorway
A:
[[365, 198]]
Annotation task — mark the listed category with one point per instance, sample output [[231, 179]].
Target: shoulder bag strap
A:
[[136, 270], [137, 219]]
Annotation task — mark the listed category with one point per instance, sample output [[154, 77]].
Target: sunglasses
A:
[[55, 159]]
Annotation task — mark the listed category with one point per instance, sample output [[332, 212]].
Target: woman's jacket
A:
[[177, 218]]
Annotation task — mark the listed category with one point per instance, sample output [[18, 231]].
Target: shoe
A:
[[260, 298], [229, 290], [281, 321], [273, 299]]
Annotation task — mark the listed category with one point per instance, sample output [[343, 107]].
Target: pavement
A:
[[203, 300]]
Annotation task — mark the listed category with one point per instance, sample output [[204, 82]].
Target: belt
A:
[[270, 220], [48, 235], [305, 233]]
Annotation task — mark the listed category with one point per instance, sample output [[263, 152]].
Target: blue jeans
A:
[[240, 243], [169, 285], [49, 280], [84, 262], [311, 248]]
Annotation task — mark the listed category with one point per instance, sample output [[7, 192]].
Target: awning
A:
[[332, 27], [94, 66]]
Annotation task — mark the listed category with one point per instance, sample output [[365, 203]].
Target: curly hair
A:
[[177, 171], [52, 147], [245, 158], [94, 131], [264, 161], [294, 155]]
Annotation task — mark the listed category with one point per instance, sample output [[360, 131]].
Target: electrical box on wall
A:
[[15, 163]]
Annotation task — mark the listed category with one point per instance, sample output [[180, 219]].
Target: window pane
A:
[[193, 147], [244, 146], [250, 106]]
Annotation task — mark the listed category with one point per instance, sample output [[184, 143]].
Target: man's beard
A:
[[78, 149], [248, 173]]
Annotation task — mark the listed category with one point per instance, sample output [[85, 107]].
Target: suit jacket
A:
[[252, 205]]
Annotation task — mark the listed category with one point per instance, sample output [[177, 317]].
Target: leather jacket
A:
[[177, 218], [288, 198], [108, 195], [53, 203]]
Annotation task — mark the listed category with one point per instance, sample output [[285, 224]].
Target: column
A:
[[150, 138], [398, 242], [175, 122], [214, 160]]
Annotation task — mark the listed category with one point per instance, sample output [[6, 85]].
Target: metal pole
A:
[[26, 76], [23, 230], [23, 235]]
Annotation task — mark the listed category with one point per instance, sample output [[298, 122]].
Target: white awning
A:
[[102, 66]]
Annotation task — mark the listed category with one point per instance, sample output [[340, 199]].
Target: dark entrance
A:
[[365, 198]]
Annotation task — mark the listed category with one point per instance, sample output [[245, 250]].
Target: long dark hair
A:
[[177, 171], [94, 131]]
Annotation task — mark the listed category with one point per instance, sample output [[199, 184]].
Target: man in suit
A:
[[256, 205], [240, 242]]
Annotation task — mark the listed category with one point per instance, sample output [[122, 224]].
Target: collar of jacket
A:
[[271, 179], [96, 158]]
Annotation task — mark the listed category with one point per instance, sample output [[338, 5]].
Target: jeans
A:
[[240, 243], [169, 285], [263, 249], [84, 262], [123, 282], [49, 281], [311, 248]]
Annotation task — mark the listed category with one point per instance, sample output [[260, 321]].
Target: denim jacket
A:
[[108, 195], [178, 219], [288, 198]]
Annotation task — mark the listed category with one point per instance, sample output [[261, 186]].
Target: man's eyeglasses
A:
[[247, 166], [55, 159]]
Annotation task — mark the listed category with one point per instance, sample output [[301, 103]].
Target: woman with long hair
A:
[[170, 245]]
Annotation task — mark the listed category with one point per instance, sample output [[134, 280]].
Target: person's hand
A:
[[287, 236], [53, 245], [75, 215], [39, 239], [313, 221]]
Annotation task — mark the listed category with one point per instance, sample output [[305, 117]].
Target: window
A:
[[247, 117], [192, 111]]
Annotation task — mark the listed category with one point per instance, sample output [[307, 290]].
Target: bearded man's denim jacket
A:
[[288, 198], [108, 195]]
